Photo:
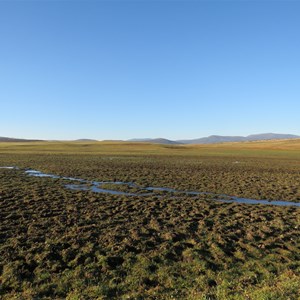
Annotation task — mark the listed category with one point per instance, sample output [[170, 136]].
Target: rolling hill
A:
[[215, 139], [7, 139], [156, 141]]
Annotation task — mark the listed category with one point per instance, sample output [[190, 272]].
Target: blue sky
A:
[[126, 69]]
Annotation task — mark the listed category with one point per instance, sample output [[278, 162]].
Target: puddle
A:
[[77, 187], [40, 174], [10, 168], [73, 179], [96, 187]]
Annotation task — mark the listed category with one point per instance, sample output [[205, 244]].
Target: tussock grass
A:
[[61, 244]]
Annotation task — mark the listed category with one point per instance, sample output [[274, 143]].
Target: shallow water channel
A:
[[99, 187]]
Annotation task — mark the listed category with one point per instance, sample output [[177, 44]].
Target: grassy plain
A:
[[62, 244]]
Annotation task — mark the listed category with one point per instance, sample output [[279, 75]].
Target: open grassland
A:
[[57, 243], [283, 148]]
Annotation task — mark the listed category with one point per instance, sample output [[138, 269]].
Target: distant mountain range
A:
[[213, 139], [6, 139], [85, 140], [156, 141]]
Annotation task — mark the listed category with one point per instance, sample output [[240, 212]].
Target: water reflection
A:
[[99, 187]]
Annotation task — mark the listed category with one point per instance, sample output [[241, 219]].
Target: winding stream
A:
[[99, 187]]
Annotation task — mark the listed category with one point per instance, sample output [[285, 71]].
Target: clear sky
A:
[[127, 69]]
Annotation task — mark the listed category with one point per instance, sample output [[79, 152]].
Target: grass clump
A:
[[62, 244]]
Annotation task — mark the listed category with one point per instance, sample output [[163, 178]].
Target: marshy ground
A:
[[57, 243]]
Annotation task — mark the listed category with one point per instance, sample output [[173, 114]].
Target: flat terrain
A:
[[58, 243]]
